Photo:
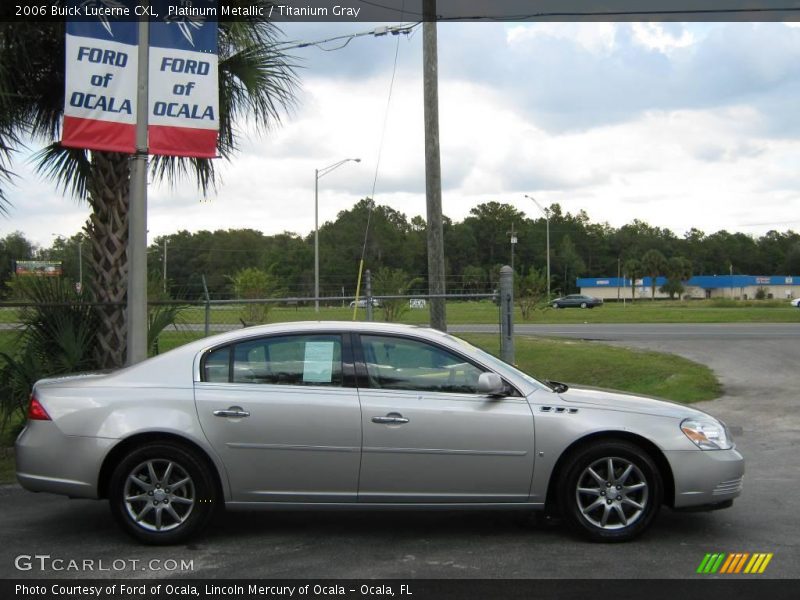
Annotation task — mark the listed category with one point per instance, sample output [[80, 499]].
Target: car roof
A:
[[310, 327]]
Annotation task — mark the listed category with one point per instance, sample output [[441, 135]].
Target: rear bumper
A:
[[706, 479], [49, 461]]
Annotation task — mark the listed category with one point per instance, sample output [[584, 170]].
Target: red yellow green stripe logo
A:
[[735, 563]]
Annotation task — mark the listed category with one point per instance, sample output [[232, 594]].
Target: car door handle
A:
[[390, 419], [236, 412]]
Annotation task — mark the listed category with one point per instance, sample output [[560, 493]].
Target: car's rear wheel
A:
[[611, 491], [584, 305], [162, 493]]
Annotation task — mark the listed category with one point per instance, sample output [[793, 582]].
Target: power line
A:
[[600, 15], [402, 29]]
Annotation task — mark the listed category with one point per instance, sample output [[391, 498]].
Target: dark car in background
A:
[[576, 300]]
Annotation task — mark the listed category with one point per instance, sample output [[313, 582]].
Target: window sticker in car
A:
[[318, 362]]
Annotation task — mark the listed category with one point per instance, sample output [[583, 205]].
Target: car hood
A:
[[628, 402]]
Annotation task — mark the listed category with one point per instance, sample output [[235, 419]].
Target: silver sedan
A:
[[364, 415]]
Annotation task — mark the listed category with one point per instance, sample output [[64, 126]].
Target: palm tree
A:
[[632, 268], [256, 81], [679, 270], [653, 265]]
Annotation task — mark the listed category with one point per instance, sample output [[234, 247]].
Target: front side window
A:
[[404, 364], [281, 360]]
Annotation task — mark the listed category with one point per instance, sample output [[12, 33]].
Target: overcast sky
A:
[[694, 125]]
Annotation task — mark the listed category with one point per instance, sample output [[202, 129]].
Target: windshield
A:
[[496, 362]]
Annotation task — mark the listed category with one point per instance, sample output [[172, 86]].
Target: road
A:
[[757, 365], [651, 332]]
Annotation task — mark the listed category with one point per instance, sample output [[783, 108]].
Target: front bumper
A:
[[706, 478], [49, 461]]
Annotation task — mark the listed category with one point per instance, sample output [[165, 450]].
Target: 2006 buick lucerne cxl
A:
[[364, 415]]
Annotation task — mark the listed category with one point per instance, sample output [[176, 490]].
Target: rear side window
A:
[[284, 360], [216, 368]]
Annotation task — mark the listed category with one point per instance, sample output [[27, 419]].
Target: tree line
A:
[[475, 249]]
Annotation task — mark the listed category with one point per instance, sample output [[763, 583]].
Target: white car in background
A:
[[795, 302]]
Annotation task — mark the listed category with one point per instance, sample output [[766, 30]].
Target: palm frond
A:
[[159, 318], [257, 84], [31, 89], [173, 169], [69, 168], [9, 143]]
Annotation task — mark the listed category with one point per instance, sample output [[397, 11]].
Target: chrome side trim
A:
[[381, 450], [255, 446], [384, 506], [27, 477]]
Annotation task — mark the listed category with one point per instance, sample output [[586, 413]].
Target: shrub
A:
[[393, 282], [58, 337], [252, 284]]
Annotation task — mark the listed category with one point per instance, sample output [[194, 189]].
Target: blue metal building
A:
[[699, 286]]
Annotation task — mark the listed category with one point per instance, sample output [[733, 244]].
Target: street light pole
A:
[[547, 218], [318, 174], [513, 235]]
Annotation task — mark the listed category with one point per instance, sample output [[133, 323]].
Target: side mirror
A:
[[491, 384]]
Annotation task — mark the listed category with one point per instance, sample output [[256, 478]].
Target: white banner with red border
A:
[[100, 104]]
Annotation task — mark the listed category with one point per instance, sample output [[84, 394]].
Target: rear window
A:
[[281, 360]]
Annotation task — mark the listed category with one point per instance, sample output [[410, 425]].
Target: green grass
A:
[[600, 365], [485, 312], [718, 310], [7, 341]]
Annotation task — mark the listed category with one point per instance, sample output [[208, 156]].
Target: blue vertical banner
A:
[[101, 68], [183, 113]]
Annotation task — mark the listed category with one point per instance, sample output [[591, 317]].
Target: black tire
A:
[[630, 510], [193, 501]]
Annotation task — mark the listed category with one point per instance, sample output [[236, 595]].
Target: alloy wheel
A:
[[612, 493], [159, 495]]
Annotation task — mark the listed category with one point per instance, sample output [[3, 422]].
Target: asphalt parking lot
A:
[[761, 404]]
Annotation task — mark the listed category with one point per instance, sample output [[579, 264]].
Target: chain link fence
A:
[[201, 318]]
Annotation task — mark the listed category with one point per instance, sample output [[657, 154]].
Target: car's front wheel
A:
[[162, 493], [611, 491], [584, 305], [555, 305]]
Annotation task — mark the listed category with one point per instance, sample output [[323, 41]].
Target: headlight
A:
[[707, 434]]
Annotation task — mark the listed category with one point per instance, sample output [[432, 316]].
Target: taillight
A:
[[36, 411]]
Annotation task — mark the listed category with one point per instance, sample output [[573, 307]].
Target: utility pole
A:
[[165, 266], [316, 240], [433, 168], [136, 322], [80, 265]]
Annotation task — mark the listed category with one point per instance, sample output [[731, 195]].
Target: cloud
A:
[[573, 76]]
